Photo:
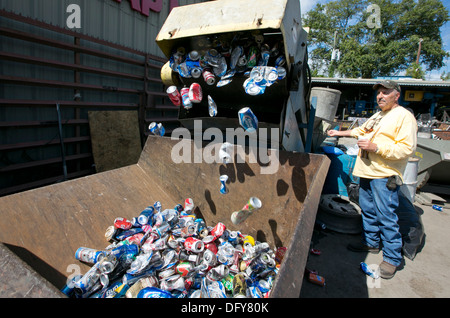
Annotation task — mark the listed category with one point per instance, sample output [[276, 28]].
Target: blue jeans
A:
[[380, 222]]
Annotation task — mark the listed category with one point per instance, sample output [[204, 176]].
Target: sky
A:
[[307, 5]]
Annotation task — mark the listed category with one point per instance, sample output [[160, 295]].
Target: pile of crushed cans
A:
[[246, 54], [170, 253]]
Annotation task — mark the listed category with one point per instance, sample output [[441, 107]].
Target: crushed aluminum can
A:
[[208, 76], [153, 292], [218, 230], [263, 286], [209, 258], [195, 93], [235, 55], [315, 251], [316, 279], [252, 57], [224, 82], [150, 281], [281, 72], [194, 245], [252, 205], [247, 119], [187, 104], [193, 55], [196, 72], [212, 107], [146, 215], [183, 268], [280, 61], [110, 233], [173, 283], [368, 271], [251, 88], [156, 129], [89, 255], [279, 254], [174, 95], [223, 188], [122, 223], [225, 152], [188, 205]]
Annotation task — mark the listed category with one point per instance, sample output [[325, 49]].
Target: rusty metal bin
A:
[[45, 226]]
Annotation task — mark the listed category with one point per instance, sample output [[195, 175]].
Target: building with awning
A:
[[359, 100]]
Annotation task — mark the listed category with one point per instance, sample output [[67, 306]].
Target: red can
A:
[[209, 77], [185, 98], [135, 239], [194, 245], [188, 205], [174, 95], [183, 268], [316, 279], [315, 251], [211, 246], [122, 223], [218, 230], [279, 254], [195, 93]]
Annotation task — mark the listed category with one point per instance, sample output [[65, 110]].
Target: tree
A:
[[376, 37], [415, 71], [445, 76]]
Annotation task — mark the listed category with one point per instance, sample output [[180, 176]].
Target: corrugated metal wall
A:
[[108, 20], [113, 64]]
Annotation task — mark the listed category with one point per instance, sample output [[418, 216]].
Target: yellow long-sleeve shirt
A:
[[395, 133]]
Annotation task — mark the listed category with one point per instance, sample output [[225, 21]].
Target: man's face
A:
[[387, 98]]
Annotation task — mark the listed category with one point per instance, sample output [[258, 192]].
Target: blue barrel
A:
[[340, 173]]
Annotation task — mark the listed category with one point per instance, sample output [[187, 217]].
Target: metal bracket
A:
[[310, 124]]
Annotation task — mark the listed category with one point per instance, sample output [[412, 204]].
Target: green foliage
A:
[[367, 51], [415, 71]]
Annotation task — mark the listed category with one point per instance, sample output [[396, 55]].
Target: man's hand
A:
[[367, 145], [333, 133], [339, 133]]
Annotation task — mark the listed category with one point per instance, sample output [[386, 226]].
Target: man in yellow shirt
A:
[[386, 141]]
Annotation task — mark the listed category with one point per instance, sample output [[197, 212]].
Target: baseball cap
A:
[[387, 84]]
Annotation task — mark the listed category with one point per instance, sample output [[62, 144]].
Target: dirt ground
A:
[[426, 276]]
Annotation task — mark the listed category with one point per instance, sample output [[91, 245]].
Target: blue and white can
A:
[[157, 206], [368, 271], [146, 215], [212, 107], [89, 255], [281, 72], [263, 286], [247, 119], [157, 129], [252, 88], [223, 180]]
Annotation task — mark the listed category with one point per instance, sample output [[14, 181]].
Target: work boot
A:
[[387, 270], [361, 247]]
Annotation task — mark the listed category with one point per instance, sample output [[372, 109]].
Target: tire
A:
[[339, 214]]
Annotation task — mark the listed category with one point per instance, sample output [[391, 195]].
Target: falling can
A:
[[241, 215], [174, 95], [195, 93], [247, 119]]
